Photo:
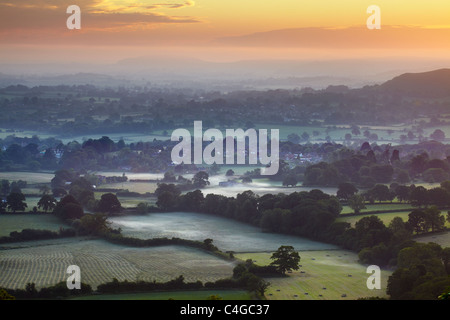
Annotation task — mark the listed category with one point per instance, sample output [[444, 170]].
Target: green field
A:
[[385, 217], [380, 207], [228, 235], [29, 177], [442, 239], [336, 270], [132, 202], [175, 295], [18, 222]]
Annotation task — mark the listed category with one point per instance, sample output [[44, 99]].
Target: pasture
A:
[[385, 217], [45, 263], [442, 238], [19, 221], [380, 207], [228, 235], [29, 177], [323, 275]]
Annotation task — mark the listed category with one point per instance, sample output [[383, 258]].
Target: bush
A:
[[33, 234], [116, 286], [56, 291]]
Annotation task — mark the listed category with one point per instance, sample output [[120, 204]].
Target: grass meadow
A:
[[29, 177], [442, 239], [228, 235], [323, 275], [20, 221]]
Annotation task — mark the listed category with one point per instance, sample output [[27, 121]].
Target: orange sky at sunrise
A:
[[34, 29]]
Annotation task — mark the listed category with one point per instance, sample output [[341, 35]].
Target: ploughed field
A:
[[45, 263]]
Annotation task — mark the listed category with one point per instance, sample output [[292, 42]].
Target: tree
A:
[[68, 208], [167, 201], [109, 203], [401, 231], [5, 188], [403, 176], [272, 219], [294, 138], [346, 190], [3, 205], [171, 188], [17, 186], [49, 159], [438, 196], [366, 146], [417, 221], [143, 207], [380, 192], [446, 259], [72, 211], [419, 196], [285, 259], [229, 173], [432, 175], [47, 202], [434, 219], [94, 223], [247, 179], [355, 130], [357, 203], [16, 201], [169, 176], [371, 231], [446, 185], [257, 284], [59, 192], [44, 189], [417, 163], [382, 173], [438, 134], [420, 273], [348, 137], [402, 193], [200, 179], [395, 156], [192, 201], [305, 136]]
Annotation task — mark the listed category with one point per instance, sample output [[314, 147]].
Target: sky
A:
[[222, 30]]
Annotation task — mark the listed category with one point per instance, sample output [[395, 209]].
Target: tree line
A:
[[364, 169]]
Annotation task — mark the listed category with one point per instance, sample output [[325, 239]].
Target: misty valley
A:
[[88, 177]]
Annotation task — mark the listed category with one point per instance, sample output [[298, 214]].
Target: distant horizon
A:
[[325, 27], [197, 40]]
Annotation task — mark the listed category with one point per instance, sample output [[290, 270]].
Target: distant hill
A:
[[435, 84], [344, 38]]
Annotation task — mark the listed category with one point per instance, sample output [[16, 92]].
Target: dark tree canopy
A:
[[109, 203], [285, 259], [16, 202]]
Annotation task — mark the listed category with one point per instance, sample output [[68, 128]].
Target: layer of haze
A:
[[200, 38]]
